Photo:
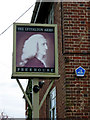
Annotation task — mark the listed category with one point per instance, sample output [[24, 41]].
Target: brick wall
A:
[[76, 43], [75, 20], [60, 83]]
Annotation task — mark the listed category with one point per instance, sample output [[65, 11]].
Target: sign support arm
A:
[[24, 92], [44, 97]]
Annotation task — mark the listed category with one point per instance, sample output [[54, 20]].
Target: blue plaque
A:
[[80, 71]]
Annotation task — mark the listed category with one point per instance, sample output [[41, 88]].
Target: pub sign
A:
[[35, 50]]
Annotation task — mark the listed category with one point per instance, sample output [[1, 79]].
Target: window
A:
[[51, 15], [53, 104]]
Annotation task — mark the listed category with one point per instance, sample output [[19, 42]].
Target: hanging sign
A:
[[35, 50]]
